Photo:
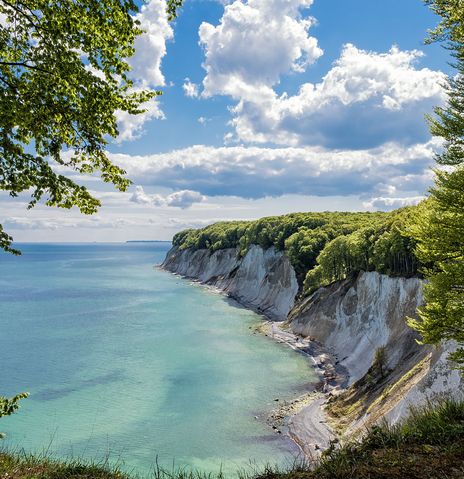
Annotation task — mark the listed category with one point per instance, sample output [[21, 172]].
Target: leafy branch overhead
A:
[[439, 230], [172, 8], [63, 77]]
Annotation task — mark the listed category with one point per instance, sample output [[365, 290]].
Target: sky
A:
[[268, 107]]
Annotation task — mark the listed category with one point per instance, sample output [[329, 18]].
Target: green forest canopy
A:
[[322, 247]]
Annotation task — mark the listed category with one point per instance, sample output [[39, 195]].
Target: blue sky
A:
[[269, 106], [370, 25]]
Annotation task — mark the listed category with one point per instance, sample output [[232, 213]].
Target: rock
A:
[[263, 280], [370, 311]]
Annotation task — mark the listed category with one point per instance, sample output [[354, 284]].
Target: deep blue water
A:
[[125, 360]]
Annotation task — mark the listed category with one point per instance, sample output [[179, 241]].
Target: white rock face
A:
[[355, 318], [264, 281], [439, 381]]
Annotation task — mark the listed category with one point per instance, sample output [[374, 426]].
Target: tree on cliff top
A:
[[440, 230], [63, 75]]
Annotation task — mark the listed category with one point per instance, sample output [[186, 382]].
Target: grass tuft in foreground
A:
[[428, 444]]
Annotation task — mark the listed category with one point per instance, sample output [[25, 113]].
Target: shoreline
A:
[[302, 419]]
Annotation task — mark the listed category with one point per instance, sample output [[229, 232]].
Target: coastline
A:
[[302, 419]]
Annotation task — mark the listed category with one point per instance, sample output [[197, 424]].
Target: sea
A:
[[131, 365]]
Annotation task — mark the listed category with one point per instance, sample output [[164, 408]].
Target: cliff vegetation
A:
[[322, 247]]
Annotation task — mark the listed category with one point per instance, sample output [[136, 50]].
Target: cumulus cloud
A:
[[254, 44], [181, 199], [184, 199], [388, 204], [150, 48], [255, 172], [365, 100], [190, 89]]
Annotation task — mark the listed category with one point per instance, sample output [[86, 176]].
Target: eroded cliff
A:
[[261, 280], [356, 317]]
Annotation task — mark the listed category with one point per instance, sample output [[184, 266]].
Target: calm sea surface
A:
[[124, 360]]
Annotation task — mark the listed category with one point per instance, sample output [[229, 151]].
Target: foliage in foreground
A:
[[440, 229], [64, 77], [322, 247], [429, 443], [10, 406]]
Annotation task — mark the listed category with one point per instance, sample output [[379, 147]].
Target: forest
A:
[[322, 247]]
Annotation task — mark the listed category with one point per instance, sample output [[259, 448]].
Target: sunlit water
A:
[[125, 360]]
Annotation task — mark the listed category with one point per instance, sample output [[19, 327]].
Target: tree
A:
[[9, 406], [440, 229], [440, 235], [63, 76]]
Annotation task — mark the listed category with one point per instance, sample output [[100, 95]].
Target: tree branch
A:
[[25, 65]]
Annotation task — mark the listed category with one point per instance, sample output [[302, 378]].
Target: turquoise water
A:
[[127, 361]]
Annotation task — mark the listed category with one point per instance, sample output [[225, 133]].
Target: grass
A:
[[428, 444], [25, 466]]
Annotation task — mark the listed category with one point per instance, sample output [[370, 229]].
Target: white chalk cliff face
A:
[[264, 281], [351, 318], [354, 318], [437, 379]]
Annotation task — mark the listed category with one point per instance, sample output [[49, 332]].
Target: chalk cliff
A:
[[356, 317], [264, 281]]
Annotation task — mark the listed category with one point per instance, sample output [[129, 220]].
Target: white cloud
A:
[[255, 172], [131, 126], [190, 89], [180, 199], [388, 204], [150, 48], [254, 44], [4, 20], [184, 199], [365, 100], [53, 223], [184, 223]]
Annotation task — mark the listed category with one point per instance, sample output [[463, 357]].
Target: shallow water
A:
[[127, 361]]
